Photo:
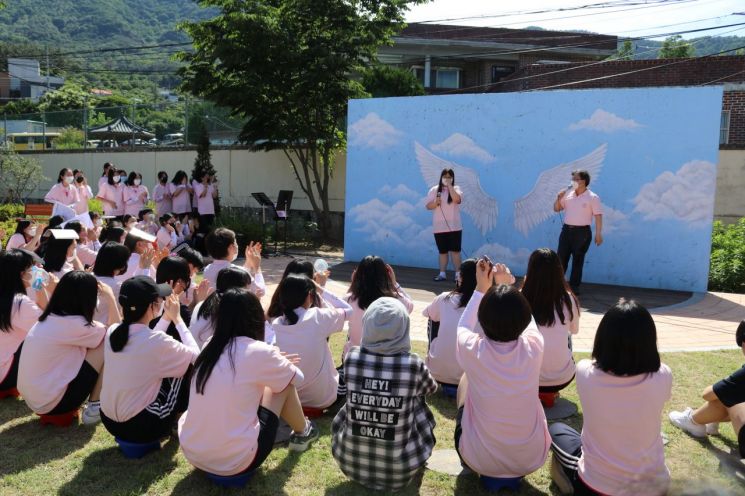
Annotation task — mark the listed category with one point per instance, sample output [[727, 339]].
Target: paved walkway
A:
[[685, 321]]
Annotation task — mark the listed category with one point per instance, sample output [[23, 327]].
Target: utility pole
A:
[[5, 129], [85, 122], [44, 118], [186, 121], [134, 105]]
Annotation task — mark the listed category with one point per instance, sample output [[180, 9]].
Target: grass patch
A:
[[84, 460]]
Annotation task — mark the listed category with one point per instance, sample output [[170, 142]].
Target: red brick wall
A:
[[734, 101]]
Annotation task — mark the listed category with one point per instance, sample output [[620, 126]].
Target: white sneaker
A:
[[91, 413], [712, 428], [684, 421]]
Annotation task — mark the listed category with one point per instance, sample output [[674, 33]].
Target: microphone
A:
[[439, 194]]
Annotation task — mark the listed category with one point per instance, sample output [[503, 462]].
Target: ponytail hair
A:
[[293, 291], [467, 284], [120, 336]]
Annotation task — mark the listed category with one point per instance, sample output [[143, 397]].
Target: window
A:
[[500, 71], [724, 128], [439, 77]]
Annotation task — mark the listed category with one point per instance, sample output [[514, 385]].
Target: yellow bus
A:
[[31, 141]]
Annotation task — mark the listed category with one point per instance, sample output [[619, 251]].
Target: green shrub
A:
[[95, 206], [11, 211], [245, 223], [9, 226], [727, 269]]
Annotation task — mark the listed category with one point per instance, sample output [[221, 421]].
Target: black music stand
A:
[[282, 211], [264, 203]]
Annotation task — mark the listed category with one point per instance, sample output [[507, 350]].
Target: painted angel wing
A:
[[537, 206], [479, 206]]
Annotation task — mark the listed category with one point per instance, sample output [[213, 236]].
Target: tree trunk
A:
[[308, 171]]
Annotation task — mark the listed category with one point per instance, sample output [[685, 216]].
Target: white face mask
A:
[[575, 185], [446, 181], [31, 232], [137, 182], [115, 179], [99, 222], [69, 179]]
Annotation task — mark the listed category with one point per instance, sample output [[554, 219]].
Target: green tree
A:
[[675, 47], [284, 65], [20, 175], [203, 162], [385, 81], [626, 51], [70, 138]]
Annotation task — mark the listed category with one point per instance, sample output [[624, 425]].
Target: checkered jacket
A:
[[385, 432]]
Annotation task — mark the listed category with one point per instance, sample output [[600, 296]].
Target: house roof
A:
[[120, 128]]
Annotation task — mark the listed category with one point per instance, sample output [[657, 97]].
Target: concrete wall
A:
[[730, 198], [240, 172]]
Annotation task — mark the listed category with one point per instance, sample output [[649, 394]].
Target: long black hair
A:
[[371, 281], [110, 175], [22, 225], [296, 266], [292, 294], [111, 257], [230, 277], [13, 263], [55, 254], [467, 283], [178, 177], [131, 178], [546, 289], [240, 314], [62, 174], [75, 294], [439, 185]]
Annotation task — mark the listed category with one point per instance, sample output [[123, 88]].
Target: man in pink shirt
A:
[[580, 205]]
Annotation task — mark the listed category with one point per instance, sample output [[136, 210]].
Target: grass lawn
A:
[[36, 460]]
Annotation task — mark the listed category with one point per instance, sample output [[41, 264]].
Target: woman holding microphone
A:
[[444, 200]]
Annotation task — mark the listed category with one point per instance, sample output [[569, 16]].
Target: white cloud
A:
[[373, 132], [400, 191], [605, 122], [501, 254], [615, 221], [460, 145], [393, 224], [686, 195]]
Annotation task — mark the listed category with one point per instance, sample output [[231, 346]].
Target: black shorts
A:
[[731, 391], [448, 241], [77, 391], [268, 425], [10, 380], [457, 433]]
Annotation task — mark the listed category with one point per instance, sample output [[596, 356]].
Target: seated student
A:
[[205, 313], [623, 390], [725, 402], [114, 233], [296, 266], [382, 446], [140, 245], [111, 262], [129, 221], [97, 221], [85, 250], [60, 256], [196, 264], [18, 313], [223, 248], [444, 313], [239, 389], [556, 311], [372, 279], [500, 429], [27, 236], [146, 221], [174, 271], [304, 331], [62, 354], [145, 380], [166, 236]]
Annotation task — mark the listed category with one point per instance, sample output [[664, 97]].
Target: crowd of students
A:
[[113, 321]]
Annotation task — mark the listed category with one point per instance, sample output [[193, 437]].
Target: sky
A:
[[629, 18]]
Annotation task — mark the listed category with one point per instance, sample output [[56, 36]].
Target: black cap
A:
[[140, 291]]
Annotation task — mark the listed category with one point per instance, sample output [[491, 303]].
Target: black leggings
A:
[[566, 443]]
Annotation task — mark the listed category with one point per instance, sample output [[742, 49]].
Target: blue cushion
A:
[[449, 390], [238, 480], [137, 450], [496, 483]]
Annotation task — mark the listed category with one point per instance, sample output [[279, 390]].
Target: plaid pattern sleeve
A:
[[385, 432]]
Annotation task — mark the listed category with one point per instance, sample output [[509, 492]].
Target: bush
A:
[[727, 266], [10, 211], [95, 206], [19, 176], [245, 223]]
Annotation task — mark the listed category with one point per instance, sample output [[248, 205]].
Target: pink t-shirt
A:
[[558, 362], [206, 203], [162, 197], [84, 194], [258, 287], [66, 194], [446, 217], [101, 181], [308, 338], [132, 376], [16, 241], [441, 359], [133, 199], [113, 193], [102, 310], [220, 430], [355, 320], [181, 199], [86, 254], [52, 355], [579, 210], [23, 315], [505, 433], [622, 450], [166, 239]]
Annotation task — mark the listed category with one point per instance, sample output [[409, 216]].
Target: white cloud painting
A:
[[605, 122], [373, 132], [460, 145]]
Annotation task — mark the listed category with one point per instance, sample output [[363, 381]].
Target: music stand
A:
[[282, 210], [265, 203]]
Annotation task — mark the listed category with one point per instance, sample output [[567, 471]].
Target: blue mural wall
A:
[[652, 154]]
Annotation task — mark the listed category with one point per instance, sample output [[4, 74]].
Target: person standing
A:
[[444, 200], [162, 195], [135, 194], [580, 206], [180, 194], [63, 193], [205, 192], [85, 193]]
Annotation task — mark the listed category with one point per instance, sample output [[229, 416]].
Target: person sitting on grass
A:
[[556, 311], [196, 264], [239, 389], [500, 428], [443, 315], [623, 390], [222, 246], [27, 235], [62, 355], [724, 402], [166, 236], [304, 330], [146, 377], [384, 434]]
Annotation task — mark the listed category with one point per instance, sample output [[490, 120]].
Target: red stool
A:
[[61, 420], [9, 393], [548, 399], [312, 412]]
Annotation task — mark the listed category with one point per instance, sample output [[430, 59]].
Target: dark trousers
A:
[[566, 444], [574, 241]]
